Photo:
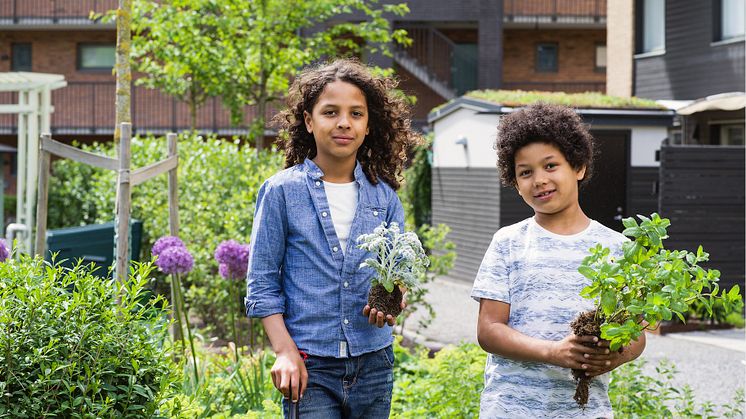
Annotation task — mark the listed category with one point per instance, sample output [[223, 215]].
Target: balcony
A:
[[32, 13], [87, 108], [575, 13]]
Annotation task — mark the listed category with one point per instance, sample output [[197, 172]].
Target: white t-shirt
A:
[[342, 199], [536, 272]]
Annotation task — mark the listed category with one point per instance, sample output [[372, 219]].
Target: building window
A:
[[730, 134], [96, 56], [20, 57], [728, 22], [651, 26], [546, 58], [600, 65]]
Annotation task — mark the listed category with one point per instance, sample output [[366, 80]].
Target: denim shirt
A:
[[297, 268]]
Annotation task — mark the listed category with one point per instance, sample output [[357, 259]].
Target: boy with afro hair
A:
[[528, 285]]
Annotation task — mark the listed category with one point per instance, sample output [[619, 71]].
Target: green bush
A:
[[445, 386], [634, 394], [69, 348], [218, 182]]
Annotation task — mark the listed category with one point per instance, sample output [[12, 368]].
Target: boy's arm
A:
[[289, 373], [495, 336]]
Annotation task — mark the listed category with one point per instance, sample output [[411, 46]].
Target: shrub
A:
[[69, 348], [218, 182], [634, 394], [445, 386]]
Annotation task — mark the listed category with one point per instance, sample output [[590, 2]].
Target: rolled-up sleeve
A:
[[264, 295]]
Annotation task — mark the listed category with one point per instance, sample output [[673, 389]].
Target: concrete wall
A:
[[620, 40]]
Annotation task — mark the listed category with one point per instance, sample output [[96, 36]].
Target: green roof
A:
[[588, 100]]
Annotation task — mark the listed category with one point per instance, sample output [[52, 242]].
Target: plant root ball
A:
[[387, 302], [584, 325]]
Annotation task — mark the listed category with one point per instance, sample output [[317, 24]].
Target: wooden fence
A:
[[702, 193]]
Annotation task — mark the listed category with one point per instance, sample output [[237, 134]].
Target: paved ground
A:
[[712, 363]]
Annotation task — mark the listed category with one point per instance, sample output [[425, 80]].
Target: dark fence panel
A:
[[554, 10], [702, 193], [53, 11]]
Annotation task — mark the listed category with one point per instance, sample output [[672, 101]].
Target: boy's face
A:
[[338, 122], [545, 179]]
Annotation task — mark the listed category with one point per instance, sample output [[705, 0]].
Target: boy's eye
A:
[[551, 165], [357, 113]]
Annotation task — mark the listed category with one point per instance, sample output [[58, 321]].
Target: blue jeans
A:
[[354, 387]]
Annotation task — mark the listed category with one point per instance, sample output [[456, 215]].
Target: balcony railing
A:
[[554, 11], [87, 108], [569, 87], [34, 12]]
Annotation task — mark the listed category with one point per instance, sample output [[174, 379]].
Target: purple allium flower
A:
[[4, 252], [233, 258], [164, 243], [175, 260]]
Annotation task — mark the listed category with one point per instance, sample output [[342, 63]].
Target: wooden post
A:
[[173, 227], [124, 203], [173, 193], [43, 198]]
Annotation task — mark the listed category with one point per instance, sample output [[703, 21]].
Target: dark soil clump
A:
[[584, 325], [382, 300]]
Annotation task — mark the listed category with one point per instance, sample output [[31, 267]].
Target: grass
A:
[[576, 100]]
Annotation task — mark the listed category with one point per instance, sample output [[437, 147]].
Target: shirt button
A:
[[375, 213], [346, 284], [347, 321], [335, 248], [324, 214], [318, 183]]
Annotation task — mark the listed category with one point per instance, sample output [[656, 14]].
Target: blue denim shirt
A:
[[297, 268]]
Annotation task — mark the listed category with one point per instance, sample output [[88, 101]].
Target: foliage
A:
[[72, 344], [634, 394], [576, 100], [648, 283], [246, 51], [399, 257], [721, 313], [445, 386], [218, 183], [416, 192], [230, 386], [9, 206], [441, 254]]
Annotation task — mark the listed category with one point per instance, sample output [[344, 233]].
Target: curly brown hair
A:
[[383, 152], [546, 123]]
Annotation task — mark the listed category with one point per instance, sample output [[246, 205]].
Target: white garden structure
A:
[[34, 110]]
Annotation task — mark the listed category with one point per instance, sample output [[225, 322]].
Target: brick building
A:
[[458, 46]]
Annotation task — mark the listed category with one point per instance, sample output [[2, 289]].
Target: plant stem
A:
[[233, 316], [189, 330], [177, 312]]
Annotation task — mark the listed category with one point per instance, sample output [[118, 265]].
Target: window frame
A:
[[79, 58], [717, 25], [555, 45], [640, 31], [596, 68]]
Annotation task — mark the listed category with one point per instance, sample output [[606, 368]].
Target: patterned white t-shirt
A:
[[536, 272]]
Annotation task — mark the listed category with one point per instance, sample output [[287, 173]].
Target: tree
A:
[[174, 45], [123, 70], [247, 51]]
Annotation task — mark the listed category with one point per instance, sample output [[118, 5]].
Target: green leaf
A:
[[587, 271], [608, 302]]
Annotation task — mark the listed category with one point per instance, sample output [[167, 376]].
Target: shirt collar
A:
[[315, 172]]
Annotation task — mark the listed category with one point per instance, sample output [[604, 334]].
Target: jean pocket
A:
[[387, 354]]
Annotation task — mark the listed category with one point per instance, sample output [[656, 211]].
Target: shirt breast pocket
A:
[[373, 217]]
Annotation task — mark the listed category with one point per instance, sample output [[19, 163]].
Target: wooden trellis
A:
[[125, 181]]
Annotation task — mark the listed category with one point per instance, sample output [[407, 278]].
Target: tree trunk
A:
[[122, 68]]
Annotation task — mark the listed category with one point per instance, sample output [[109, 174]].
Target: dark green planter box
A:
[[91, 243]]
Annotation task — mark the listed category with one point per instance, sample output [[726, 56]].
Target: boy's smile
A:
[[546, 180], [339, 124]]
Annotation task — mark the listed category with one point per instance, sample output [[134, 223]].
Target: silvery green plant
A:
[[399, 257]]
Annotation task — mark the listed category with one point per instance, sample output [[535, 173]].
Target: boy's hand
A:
[[289, 375], [379, 318], [571, 352], [610, 360]]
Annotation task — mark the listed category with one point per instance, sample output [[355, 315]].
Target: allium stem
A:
[[189, 329], [177, 309], [236, 337]]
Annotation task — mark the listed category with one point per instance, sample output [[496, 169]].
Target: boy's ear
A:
[[580, 173], [309, 122]]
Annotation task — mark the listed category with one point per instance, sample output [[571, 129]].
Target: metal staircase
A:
[[429, 59]]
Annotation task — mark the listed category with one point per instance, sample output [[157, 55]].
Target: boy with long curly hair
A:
[[528, 286], [345, 134]]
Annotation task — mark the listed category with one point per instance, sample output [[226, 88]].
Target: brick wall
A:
[[576, 55], [427, 99]]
